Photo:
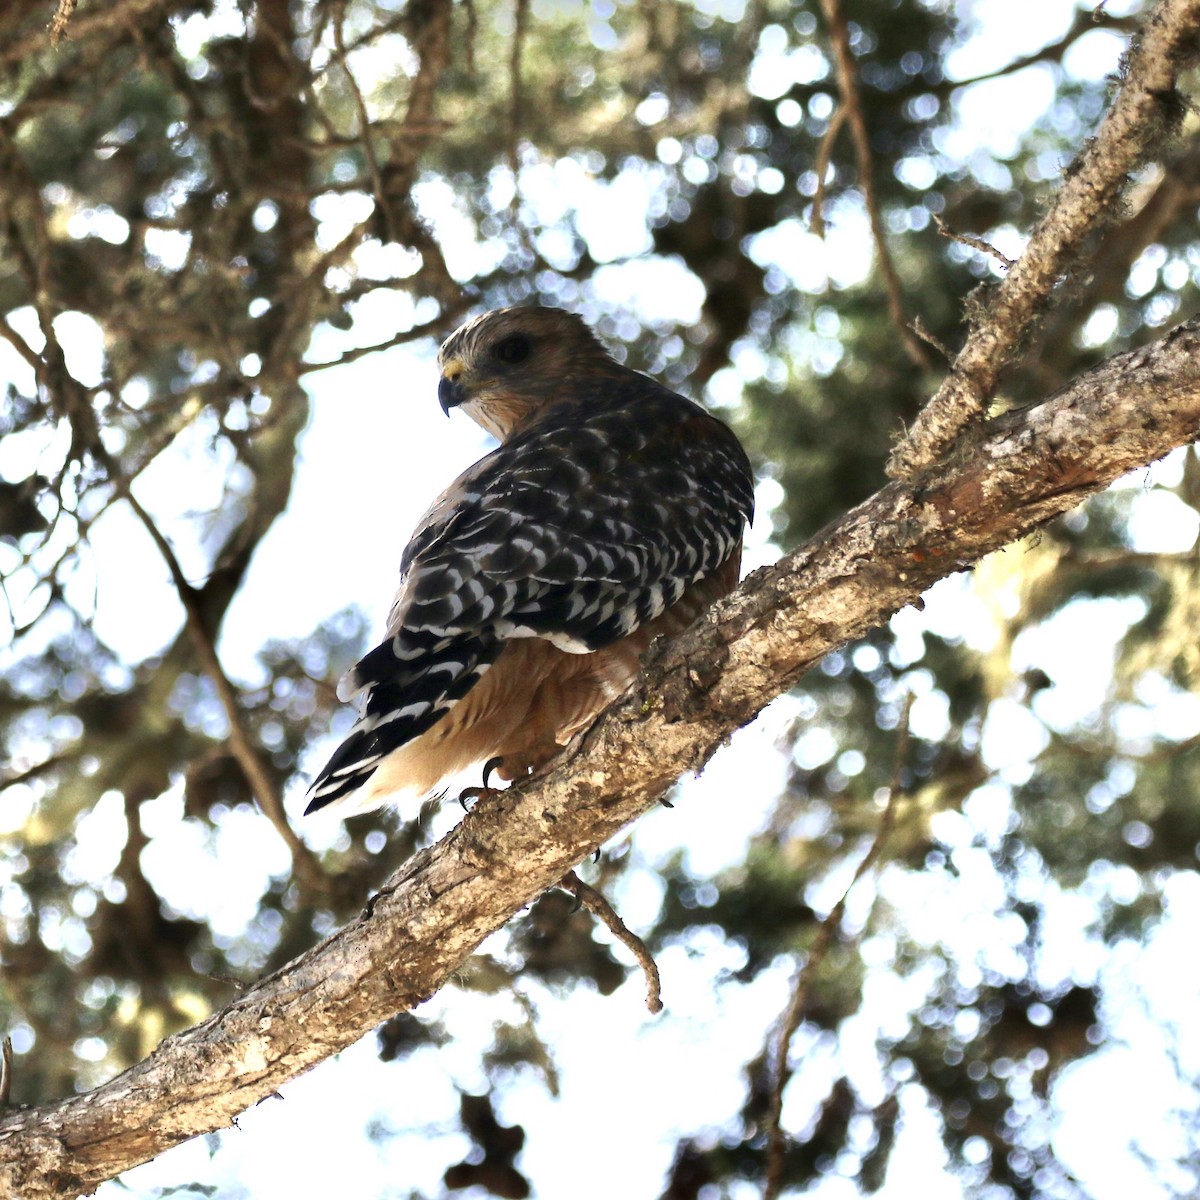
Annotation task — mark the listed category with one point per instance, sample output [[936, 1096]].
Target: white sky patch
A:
[[1076, 647], [1007, 29], [717, 812], [337, 213], [100, 222], [611, 216], [1161, 523], [776, 68], [227, 870], [678, 293], [168, 246], [1011, 737], [842, 258], [129, 570], [373, 457], [994, 115], [465, 255], [1095, 55]]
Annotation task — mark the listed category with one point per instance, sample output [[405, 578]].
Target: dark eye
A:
[[513, 349]]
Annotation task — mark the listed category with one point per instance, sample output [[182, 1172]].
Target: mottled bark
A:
[[1011, 476]]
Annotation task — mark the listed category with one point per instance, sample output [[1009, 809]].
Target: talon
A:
[[665, 802], [471, 793], [596, 856], [490, 766]]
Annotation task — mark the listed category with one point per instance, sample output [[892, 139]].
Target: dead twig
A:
[[364, 124], [930, 338], [600, 908], [61, 19], [780, 1073], [308, 869], [816, 222], [6, 1057], [976, 243]]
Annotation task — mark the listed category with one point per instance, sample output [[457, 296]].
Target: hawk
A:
[[611, 512]]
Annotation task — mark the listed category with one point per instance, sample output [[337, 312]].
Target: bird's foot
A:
[[470, 794], [474, 793]]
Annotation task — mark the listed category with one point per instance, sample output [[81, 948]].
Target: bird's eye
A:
[[513, 349]]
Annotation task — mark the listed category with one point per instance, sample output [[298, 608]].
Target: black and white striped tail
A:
[[409, 688]]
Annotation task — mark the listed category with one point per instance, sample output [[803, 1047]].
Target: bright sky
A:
[[377, 449]]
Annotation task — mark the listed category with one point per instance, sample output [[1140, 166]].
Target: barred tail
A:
[[409, 688]]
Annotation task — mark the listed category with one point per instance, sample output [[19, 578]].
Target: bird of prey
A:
[[611, 512]]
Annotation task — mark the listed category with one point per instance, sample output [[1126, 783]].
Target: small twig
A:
[[61, 19], [599, 907], [39, 768], [6, 1056], [364, 124], [520, 24], [816, 222], [20, 345], [931, 339], [976, 243], [472, 36], [794, 1015], [515, 115], [308, 869], [851, 102]]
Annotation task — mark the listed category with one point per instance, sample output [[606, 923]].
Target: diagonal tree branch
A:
[[1145, 113], [1011, 476]]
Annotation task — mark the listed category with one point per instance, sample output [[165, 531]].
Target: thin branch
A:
[[6, 1058], [520, 25], [1141, 118], [364, 124], [780, 1072], [37, 769], [695, 690], [851, 102], [307, 867], [61, 19], [596, 903], [20, 345], [931, 339], [515, 116], [1085, 21], [975, 243], [821, 169]]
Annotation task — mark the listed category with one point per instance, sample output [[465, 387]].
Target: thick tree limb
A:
[[1011, 476], [1143, 115]]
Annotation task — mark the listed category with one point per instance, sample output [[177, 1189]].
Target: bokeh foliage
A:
[[214, 188]]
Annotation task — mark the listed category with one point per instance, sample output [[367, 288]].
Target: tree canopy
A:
[[222, 225]]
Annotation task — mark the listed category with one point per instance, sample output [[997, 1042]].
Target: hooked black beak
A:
[[451, 394]]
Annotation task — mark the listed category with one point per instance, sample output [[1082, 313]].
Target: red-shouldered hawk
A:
[[611, 512]]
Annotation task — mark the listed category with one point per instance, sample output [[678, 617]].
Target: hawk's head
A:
[[507, 364]]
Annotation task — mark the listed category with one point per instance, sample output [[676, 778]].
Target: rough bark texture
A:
[[1016, 473], [1146, 111]]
